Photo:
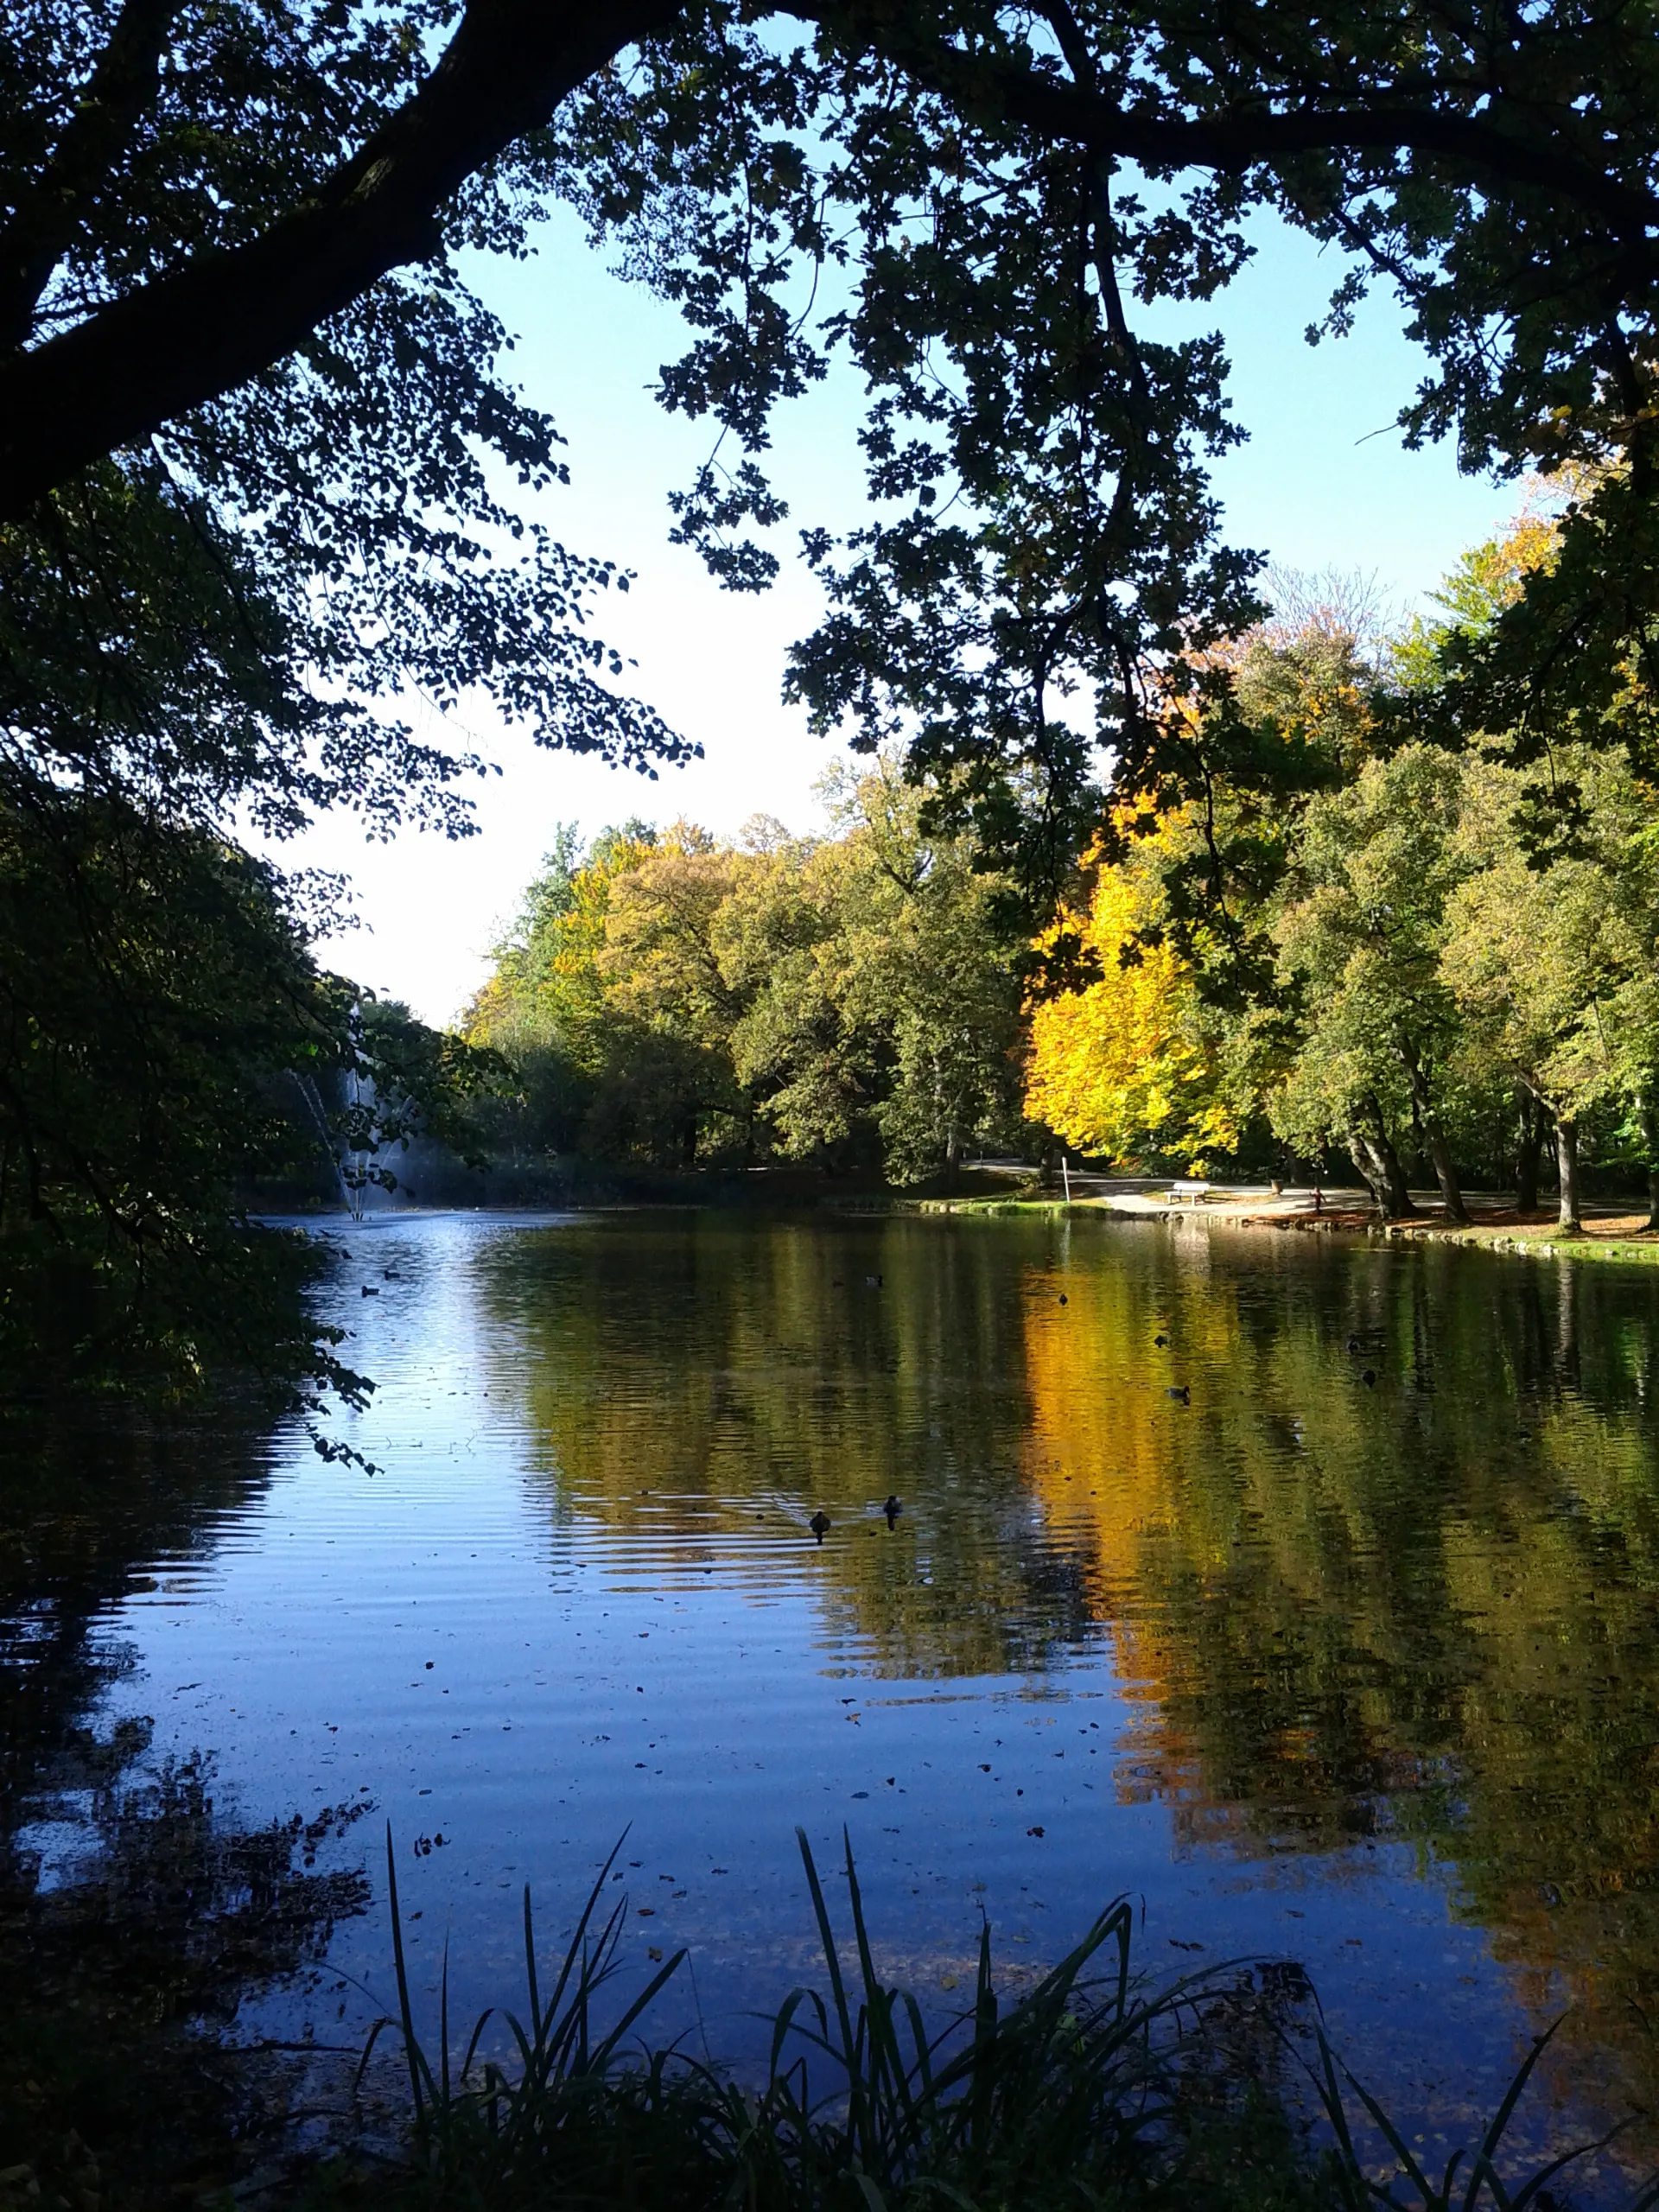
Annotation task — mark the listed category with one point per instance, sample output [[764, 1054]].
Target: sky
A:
[[1324, 482]]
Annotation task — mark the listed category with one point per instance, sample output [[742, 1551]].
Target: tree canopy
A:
[[229, 272], [1422, 956]]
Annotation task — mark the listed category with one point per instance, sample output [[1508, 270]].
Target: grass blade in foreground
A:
[[1087, 2095]]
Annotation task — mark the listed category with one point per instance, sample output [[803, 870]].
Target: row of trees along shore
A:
[[1376, 953]]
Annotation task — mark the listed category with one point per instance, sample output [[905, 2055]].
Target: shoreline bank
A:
[[1613, 1231]]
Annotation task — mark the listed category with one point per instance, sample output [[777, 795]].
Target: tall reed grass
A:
[[1096, 2091]]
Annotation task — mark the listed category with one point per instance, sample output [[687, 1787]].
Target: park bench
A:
[[1188, 1193]]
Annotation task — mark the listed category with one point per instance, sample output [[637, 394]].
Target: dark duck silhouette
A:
[[1182, 1392], [819, 1524], [892, 1509], [1161, 1341]]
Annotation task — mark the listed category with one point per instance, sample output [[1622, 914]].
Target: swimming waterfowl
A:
[[892, 1509], [818, 1523], [1368, 1378], [1182, 1391], [1161, 1340]]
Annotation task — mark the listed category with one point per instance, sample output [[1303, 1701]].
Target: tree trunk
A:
[[1644, 1107], [1366, 1168], [1389, 1184], [1567, 1161], [952, 1160], [1431, 1136], [1532, 1145], [1445, 1173]]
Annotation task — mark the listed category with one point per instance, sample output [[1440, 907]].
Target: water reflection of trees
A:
[[82, 1503], [160, 1915], [1425, 1610], [1428, 1610], [685, 1373]]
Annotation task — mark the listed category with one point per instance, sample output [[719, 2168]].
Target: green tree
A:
[[882, 996], [1549, 948], [671, 1009], [1361, 931], [808, 1000], [155, 983], [543, 1006], [167, 1045], [927, 969], [1552, 957], [806, 1075]]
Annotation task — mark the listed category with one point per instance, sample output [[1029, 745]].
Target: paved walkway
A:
[[1339, 1205]]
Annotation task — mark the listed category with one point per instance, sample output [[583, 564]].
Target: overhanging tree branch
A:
[[122, 85], [185, 339], [150, 356], [1257, 135]]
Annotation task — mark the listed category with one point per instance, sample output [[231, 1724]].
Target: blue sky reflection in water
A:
[[1359, 1676]]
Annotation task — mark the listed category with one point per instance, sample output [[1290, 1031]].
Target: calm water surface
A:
[[1361, 1676]]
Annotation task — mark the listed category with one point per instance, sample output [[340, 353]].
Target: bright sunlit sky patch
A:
[[1324, 482]]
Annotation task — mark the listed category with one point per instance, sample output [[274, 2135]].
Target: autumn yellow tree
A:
[[1128, 1066]]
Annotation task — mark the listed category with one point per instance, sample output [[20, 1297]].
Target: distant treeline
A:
[[1368, 954], [673, 1000]]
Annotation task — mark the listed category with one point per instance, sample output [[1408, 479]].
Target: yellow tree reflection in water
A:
[[1426, 1609]]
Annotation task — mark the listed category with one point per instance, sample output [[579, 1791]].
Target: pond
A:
[[1328, 1628]]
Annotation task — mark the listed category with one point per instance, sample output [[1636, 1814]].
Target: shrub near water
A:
[[1095, 2089]]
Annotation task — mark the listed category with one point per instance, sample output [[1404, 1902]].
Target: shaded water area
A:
[[1359, 1674]]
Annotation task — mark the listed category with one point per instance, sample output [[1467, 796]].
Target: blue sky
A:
[[1323, 482]]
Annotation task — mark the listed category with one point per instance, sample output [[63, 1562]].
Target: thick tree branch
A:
[[121, 87], [187, 337], [171, 345], [1247, 137]]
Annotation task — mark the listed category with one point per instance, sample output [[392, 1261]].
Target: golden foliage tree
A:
[[1125, 1067]]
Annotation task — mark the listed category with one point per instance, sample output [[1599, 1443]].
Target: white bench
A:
[[1187, 1192]]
